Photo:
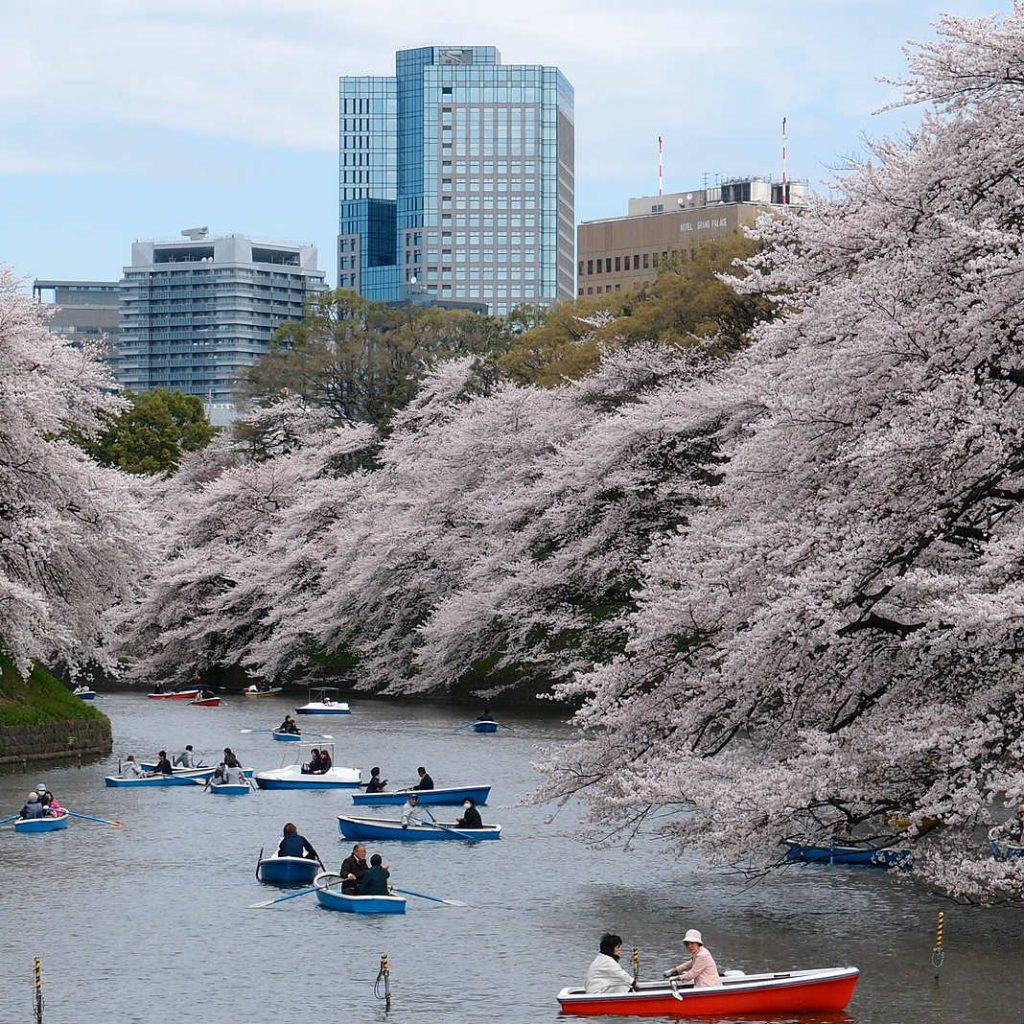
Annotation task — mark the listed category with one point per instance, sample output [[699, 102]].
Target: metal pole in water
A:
[[38, 969], [384, 974], [636, 965], [938, 953]]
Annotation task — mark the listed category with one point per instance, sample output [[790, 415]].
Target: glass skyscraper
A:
[[456, 179]]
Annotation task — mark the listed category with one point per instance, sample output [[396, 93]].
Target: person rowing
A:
[[289, 725], [294, 845], [426, 782], [162, 767], [700, 968]]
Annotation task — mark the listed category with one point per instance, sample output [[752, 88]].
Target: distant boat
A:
[[324, 704], [449, 796], [187, 777], [174, 695], [84, 693], [292, 777], [1002, 848], [374, 829], [255, 691], [286, 871], [286, 737], [485, 725], [334, 899], [866, 854], [205, 702], [42, 824], [828, 990]]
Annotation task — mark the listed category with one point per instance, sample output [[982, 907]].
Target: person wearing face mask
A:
[[470, 815]]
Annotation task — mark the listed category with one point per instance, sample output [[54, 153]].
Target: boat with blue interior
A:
[[286, 871], [861, 854]]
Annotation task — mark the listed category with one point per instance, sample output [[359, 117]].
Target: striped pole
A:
[[38, 969], [938, 953]]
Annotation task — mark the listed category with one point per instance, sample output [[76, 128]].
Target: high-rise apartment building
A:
[[622, 253], [196, 313], [457, 178]]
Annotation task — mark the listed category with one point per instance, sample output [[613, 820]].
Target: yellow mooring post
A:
[[938, 953], [636, 965], [38, 970], [384, 974]]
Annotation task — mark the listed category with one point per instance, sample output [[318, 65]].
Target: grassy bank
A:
[[39, 699]]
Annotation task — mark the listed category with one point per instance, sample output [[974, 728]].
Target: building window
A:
[[647, 261], [608, 265], [618, 264], [590, 266]]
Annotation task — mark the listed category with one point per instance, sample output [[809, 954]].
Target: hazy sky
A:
[[128, 119]]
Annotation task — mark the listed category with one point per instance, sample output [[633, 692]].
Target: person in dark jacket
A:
[[33, 807], [375, 881], [289, 725], [230, 760], [426, 782], [294, 845], [376, 783], [163, 765], [353, 868], [314, 766], [470, 815]]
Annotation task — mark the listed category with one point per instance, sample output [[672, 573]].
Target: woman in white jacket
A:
[[605, 975]]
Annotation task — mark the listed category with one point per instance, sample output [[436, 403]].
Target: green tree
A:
[[154, 434], [362, 360], [686, 302]]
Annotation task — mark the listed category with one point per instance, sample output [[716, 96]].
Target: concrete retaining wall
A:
[[54, 741]]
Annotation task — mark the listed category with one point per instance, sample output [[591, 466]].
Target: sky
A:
[[133, 119]]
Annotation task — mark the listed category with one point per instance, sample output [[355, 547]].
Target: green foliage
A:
[[154, 434], [362, 360], [39, 699], [687, 302]]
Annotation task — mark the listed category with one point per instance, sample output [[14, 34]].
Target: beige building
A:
[[622, 253]]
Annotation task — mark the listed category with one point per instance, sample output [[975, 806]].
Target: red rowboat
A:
[[174, 695], [206, 702], [818, 991]]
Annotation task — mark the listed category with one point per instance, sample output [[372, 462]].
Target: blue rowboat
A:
[[85, 694], [183, 778], [286, 871], [230, 788], [450, 796], [865, 854], [42, 824], [330, 896], [485, 726], [292, 777], [203, 772], [376, 829], [1002, 847], [286, 737]]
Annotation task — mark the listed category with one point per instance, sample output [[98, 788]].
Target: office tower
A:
[[82, 309], [196, 313], [622, 253], [456, 179]]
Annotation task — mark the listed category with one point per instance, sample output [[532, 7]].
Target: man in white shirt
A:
[[604, 975], [408, 817]]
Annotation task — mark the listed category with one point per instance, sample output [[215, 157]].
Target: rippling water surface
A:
[[150, 923]]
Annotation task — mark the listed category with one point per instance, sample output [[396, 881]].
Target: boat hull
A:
[[821, 991], [202, 772], [42, 824], [286, 737], [286, 871], [292, 777], [862, 855], [335, 899], [86, 695], [324, 709], [485, 727], [1003, 849], [179, 778], [377, 829], [272, 692], [176, 695], [207, 702], [450, 796], [230, 789]]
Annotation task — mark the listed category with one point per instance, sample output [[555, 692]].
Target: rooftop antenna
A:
[[785, 188], [196, 233], [661, 167]]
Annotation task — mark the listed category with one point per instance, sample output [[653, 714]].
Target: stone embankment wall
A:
[[53, 741]]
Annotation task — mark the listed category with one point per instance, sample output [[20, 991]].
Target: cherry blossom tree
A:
[[832, 644], [71, 533]]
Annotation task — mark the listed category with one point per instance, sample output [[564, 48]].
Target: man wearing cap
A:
[[700, 968]]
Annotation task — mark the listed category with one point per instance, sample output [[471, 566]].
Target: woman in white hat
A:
[[700, 968]]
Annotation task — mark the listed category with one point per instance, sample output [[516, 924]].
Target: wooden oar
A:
[[436, 899], [434, 823], [102, 821], [291, 896]]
